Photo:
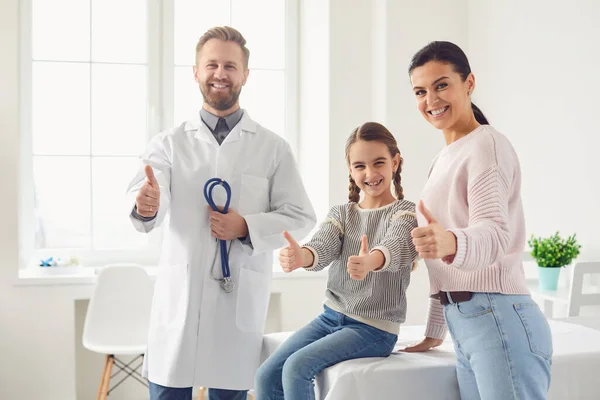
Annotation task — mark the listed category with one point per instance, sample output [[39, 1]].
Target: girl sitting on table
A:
[[369, 247]]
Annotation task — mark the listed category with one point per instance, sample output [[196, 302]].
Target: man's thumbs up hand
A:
[[147, 200], [150, 177]]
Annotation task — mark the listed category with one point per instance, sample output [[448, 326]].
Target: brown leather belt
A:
[[457, 297]]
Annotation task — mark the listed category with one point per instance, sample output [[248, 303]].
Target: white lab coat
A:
[[199, 335]]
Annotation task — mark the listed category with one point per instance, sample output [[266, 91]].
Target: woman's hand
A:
[[424, 345], [433, 241]]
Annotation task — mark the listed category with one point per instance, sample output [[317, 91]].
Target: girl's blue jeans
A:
[[329, 339]]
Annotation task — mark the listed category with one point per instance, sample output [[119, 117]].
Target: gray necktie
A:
[[221, 130]]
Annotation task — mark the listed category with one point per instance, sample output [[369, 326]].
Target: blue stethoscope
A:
[[226, 282]]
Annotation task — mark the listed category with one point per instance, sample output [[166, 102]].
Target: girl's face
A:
[[372, 167], [442, 96]]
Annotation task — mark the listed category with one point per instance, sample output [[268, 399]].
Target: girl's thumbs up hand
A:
[[294, 256], [359, 266]]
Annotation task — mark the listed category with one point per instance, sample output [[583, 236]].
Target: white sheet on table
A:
[[432, 375]]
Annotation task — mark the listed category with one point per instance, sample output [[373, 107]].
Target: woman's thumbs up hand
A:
[[433, 240]]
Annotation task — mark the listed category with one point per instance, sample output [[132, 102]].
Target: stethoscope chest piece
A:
[[227, 285]]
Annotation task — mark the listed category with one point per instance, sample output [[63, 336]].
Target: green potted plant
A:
[[552, 253]]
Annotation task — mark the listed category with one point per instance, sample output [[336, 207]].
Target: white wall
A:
[[536, 65], [30, 365], [314, 101]]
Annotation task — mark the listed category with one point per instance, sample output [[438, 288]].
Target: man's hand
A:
[[433, 241], [228, 226], [359, 266], [148, 197]]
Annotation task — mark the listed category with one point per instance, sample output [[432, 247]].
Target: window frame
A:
[[160, 110]]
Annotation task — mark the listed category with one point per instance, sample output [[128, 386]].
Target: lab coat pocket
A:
[[170, 295], [254, 196], [252, 300]]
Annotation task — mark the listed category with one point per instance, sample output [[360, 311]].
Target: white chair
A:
[[575, 295], [117, 321]]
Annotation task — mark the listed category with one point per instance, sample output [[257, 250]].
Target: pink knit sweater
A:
[[474, 190]]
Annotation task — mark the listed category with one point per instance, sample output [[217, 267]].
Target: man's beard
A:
[[220, 101]]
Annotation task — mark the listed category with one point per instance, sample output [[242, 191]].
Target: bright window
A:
[[100, 80]]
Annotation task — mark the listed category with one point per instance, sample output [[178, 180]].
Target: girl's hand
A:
[[433, 241], [359, 266], [424, 345], [293, 256]]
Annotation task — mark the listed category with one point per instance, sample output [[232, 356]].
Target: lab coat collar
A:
[[246, 125]]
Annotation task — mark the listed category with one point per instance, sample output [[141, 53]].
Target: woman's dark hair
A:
[[373, 131], [448, 53]]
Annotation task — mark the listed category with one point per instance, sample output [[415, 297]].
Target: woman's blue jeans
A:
[[503, 347]]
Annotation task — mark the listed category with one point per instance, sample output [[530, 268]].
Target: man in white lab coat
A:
[[204, 331]]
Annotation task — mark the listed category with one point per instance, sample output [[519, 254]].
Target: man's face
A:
[[220, 72]]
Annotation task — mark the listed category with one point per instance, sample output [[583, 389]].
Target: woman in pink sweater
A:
[[471, 234]]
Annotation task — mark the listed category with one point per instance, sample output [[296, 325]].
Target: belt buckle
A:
[[441, 296], [444, 299]]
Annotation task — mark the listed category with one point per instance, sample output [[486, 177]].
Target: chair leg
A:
[[102, 378], [105, 382]]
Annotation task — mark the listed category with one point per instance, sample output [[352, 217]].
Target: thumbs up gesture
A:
[[359, 266], [294, 256], [148, 197], [433, 241]]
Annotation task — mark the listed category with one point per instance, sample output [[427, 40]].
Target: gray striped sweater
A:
[[379, 300]]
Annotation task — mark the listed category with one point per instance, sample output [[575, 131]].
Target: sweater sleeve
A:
[[326, 244], [436, 324], [486, 238], [397, 246]]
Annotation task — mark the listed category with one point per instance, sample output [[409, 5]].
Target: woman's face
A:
[[442, 96]]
